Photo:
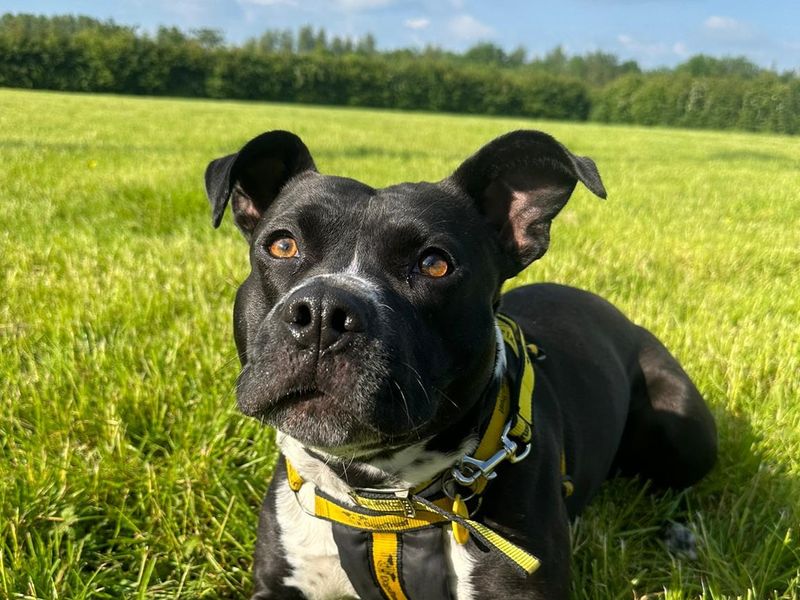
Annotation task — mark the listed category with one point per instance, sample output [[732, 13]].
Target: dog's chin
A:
[[315, 419], [323, 422]]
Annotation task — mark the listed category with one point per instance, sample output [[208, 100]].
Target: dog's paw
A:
[[680, 541]]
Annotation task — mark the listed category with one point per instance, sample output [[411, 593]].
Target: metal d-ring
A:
[[449, 484]]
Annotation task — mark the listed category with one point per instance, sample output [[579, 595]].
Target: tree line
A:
[[83, 54]]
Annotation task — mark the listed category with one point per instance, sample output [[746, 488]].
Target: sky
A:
[[653, 32]]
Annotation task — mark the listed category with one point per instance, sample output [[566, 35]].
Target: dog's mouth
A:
[[302, 399], [342, 403]]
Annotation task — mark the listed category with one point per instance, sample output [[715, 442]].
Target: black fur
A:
[[353, 351]]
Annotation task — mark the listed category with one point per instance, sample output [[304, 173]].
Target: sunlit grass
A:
[[126, 471]]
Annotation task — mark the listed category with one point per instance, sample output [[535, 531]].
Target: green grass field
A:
[[125, 470]]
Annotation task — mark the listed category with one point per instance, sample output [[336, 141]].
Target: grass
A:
[[125, 470]]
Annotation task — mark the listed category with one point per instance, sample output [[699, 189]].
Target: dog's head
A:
[[367, 321]]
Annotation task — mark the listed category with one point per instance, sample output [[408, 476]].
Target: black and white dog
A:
[[367, 331]]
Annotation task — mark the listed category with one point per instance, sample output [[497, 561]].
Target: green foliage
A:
[[702, 65], [83, 54], [490, 54], [125, 470], [763, 103]]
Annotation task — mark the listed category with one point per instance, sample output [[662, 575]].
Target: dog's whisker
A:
[[405, 406], [418, 380], [446, 397], [227, 363]]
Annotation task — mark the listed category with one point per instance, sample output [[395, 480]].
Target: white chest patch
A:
[[314, 558], [308, 541], [310, 549], [461, 564]]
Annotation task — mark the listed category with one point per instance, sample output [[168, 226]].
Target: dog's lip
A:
[[299, 396]]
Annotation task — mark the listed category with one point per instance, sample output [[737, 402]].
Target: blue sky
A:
[[654, 32]]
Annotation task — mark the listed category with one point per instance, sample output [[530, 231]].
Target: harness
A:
[[396, 534]]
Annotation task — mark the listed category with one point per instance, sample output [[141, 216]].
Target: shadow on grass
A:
[[742, 515]]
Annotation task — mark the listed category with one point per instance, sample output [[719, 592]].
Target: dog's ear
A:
[[254, 176], [520, 181]]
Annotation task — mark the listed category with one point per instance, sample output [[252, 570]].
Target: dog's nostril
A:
[[302, 315], [339, 320]]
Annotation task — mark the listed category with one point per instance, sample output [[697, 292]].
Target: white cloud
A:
[[358, 5], [722, 23], [727, 28], [190, 10], [643, 48], [625, 40], [651, 50], [468, 27], [416, 24]]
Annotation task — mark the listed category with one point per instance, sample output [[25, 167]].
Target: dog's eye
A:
[[433, 264], [283, 247]]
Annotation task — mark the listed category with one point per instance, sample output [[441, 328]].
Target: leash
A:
[[381, 530]]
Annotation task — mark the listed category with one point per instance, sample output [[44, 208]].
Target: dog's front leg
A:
[[271, 566], [296, 555]]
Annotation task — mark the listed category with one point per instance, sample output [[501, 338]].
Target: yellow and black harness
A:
[[390, 541]]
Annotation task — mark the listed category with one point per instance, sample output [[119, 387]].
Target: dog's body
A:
[[367, 336]]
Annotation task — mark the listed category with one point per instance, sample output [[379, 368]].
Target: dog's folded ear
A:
[[254, 176], [520, 181]]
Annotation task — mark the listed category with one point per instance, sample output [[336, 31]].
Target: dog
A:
[[374, 338]]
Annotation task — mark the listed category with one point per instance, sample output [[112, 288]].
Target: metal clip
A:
[[469, 469]]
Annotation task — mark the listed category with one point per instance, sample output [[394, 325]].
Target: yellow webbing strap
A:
[[327, 508], [490, 442], [508, 328], [385, 564], [427, 514], [515, 340], [460, 533], [522, 428], [566, 482], [384, 504], [294, 478], [524, 560]]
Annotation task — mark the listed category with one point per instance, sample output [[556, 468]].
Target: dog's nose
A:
[[323, 316]]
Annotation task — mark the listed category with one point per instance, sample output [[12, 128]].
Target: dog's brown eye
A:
[[433, 264], [284, 247]]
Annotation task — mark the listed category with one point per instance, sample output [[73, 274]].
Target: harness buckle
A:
[[408, 504], [385, 500], [469, 469]]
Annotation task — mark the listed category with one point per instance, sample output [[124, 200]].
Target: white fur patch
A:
[[414, 465], [310, 548], [500, 361], [461, 564], [313, 470]]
